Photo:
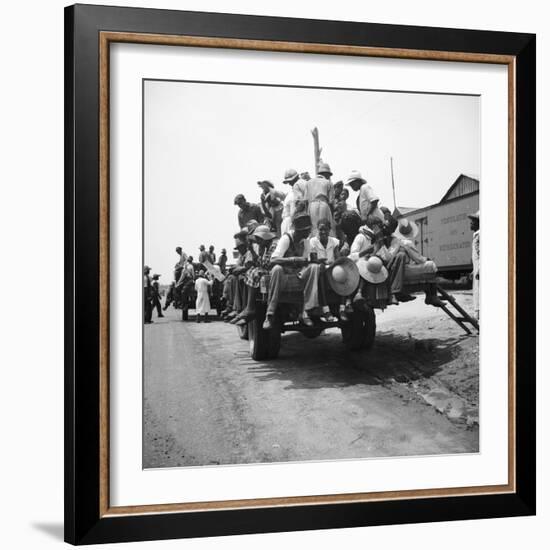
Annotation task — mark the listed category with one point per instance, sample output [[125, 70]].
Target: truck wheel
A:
[[312, 333], [258, 338], [369, 328], [243, 331], [184, 314], [360, 331], [274, 343]]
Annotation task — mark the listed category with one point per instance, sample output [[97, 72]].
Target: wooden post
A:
[[316, 149], [393, 185]]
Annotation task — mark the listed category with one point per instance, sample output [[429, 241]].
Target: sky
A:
[[205, 143]]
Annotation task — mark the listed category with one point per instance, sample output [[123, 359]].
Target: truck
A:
[[357, 334]]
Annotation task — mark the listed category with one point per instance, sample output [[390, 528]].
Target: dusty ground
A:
[[206, 402]]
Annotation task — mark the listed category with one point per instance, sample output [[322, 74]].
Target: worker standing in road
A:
[[147, 298], [474, 225], [202, 284], [156, 295]]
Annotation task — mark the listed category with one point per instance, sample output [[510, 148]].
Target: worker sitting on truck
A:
[[292, 270], [402, 246], [233, 284], [326, 249], [267, 242]]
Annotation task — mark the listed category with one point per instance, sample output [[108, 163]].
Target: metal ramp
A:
[[462, 317]]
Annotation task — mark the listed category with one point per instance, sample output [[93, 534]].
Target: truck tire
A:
[[258, 338], [369, 328], [184, 314], [360, 332], [274, 342]]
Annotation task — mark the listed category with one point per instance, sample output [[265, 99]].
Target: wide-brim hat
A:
[[324, 168], [406, 229], [242, 234], [251, 226], [343, 276], [156, 276], [266, 182], [372, 270], [355, 176], [263, 232], [474, 216], [290, 175]]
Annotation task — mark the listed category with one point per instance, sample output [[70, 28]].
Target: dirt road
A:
[[207, 402]]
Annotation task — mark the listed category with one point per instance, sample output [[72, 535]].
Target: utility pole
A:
[[316, 149], [393, 184]]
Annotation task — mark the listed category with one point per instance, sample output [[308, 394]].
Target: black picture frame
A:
[[84, 524]]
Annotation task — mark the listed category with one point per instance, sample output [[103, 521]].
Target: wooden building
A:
[[444, 228]]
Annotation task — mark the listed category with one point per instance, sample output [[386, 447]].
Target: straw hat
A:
[[290, 175], [372, 270], [251, 226], [406, 229], [263, 232], [343, 276], [324, 168], [355, 176]]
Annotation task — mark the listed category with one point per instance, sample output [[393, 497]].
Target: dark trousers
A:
[[148, 306], [157, 304], [396, 268], [307, 282]]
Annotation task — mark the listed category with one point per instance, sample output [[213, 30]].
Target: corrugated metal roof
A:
[[462, 186]]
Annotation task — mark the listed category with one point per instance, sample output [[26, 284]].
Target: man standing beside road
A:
[[247, 211], [147, 296], [202, 286], [156, 295], [474, 226]]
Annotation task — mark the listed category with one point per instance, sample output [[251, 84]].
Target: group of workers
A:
[[309, 238], [305, 240], [188, 276]]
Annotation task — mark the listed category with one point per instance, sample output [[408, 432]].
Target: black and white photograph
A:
[[311, 263]]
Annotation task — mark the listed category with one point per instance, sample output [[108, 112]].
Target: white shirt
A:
[[359, 244], [322, 252], [284, 243], [365, 198]]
